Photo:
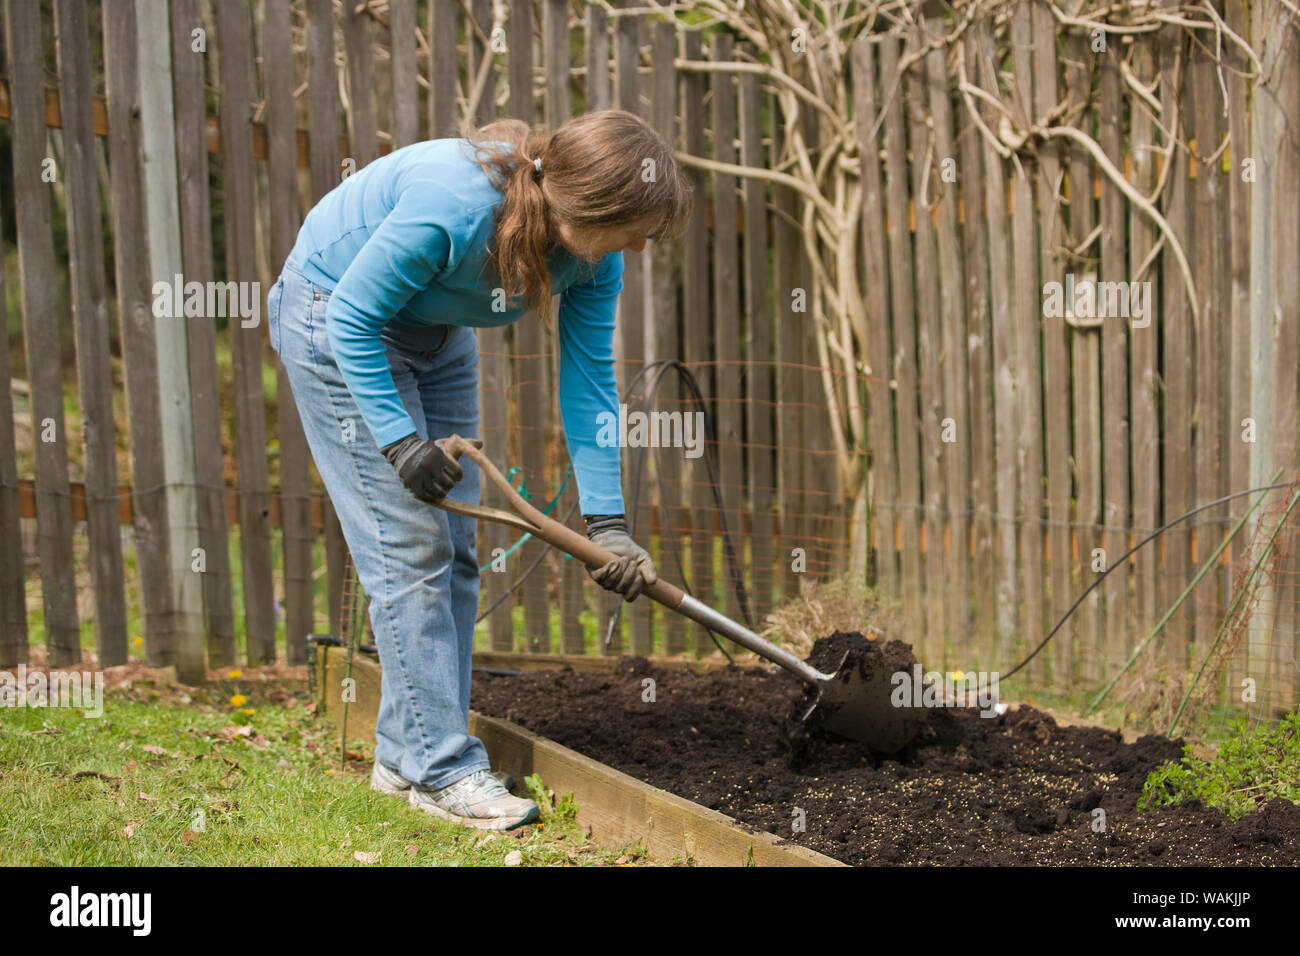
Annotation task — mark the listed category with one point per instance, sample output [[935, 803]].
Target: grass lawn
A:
[[179, 776]]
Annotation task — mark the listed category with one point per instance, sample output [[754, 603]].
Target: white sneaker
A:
[[478, 801], [389, 781]]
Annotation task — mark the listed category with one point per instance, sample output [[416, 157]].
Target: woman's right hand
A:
[[424, 467]]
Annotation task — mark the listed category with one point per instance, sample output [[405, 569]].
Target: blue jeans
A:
[[416, 562]]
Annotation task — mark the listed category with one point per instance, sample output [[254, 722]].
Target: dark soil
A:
[[1014, 789]]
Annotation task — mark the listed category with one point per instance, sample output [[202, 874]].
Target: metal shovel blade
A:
[[856, 702]]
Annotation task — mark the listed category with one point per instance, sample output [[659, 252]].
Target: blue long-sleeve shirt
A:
[[405, 240]]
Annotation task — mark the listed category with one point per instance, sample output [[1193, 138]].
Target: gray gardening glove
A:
[[633, 570], [425, 469]]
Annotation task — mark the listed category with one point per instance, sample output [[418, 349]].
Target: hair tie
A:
[[537, 165]]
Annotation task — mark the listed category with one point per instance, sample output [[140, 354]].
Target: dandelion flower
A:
[[238, 700]]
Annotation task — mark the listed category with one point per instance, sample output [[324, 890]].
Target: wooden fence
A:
[[1006, 446]]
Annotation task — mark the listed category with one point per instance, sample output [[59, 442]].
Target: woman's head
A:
[[608, 182]]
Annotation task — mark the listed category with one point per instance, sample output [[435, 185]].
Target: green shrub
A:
[[1253, 766]]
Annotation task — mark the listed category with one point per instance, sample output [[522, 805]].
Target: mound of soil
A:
[[1014, 789]]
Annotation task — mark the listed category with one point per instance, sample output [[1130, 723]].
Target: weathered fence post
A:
[[163, 233], [41, 332], [90, 313]]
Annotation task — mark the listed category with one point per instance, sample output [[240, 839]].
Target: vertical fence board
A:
[[664, 282], [1207, 257], [726, 295], [444, 19], [903, 316], [322, 85], [139, 352], [1268, 29], [188, 80], [789, 374], [758, 353], [930, 391], [573, 580], [826, 541], [979, 372], [697, 319], [1177, 368], [41, 318], [875, 285], [1236, 451], [90, 313], [14, 635], [162, 233], [363, 145], [812, 414], [493, 360], [1114, 374], [1085, 343], [632, 331], [246, 343], [597, 58], [555, 46], [599, 98], [1006, 413], [1281, 683], [1145, 370], [295, 487], [531, 394], [1055, 367], [956, 378], [406, 90], [484, 109], [1027, 306]]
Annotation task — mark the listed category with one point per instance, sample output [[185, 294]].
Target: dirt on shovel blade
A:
[[1012, 789], [860, 656]]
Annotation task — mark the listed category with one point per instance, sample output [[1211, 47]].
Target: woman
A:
[[373, 317]]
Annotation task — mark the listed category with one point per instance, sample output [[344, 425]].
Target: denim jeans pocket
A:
[[317, 305], [274, 301]]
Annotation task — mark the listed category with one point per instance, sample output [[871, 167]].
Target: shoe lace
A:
[[489, 785]]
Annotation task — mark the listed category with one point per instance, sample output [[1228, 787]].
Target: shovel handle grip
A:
[[548, 529]]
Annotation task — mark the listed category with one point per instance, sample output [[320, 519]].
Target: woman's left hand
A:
[[633, 570]]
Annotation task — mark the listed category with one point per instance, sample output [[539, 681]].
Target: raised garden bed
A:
[[1016, 789], [615, 807]]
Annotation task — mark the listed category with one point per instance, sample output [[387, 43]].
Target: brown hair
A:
[[592, 175]]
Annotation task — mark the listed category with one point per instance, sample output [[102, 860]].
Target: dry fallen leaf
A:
[[129, 829], [154, 749], [412, 849], [130, 765], [188, 837], [144, 796], [366, 857], [514, 858]]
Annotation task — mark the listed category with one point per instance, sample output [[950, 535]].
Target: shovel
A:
[[852, 701]]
